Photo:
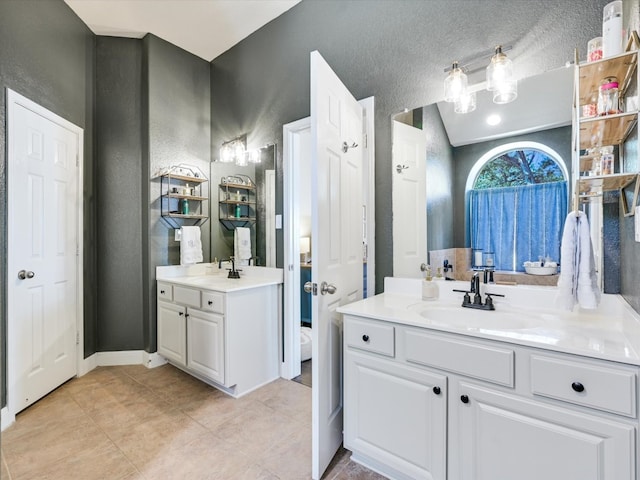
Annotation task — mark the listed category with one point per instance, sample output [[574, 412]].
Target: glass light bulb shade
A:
[[466, 103], [226, 154], [499, 71], [455, 85], [238, 151], [254, 156], [241, 161], [506, 93]]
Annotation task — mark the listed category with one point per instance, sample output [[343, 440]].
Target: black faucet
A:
[[477, 298], [475, 284], [255, 260], [233, 273]]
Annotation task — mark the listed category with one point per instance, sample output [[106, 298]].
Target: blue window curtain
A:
[[518, 224]]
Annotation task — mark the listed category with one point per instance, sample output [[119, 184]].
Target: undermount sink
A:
[[456, 315]]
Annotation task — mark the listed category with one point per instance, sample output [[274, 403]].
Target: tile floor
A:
[[131, 423]]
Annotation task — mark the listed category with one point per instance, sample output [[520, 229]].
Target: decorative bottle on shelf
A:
[[612, 29], [185, 206]]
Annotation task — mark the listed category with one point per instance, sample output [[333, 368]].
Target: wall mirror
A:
[[255, 203], [430, 212]]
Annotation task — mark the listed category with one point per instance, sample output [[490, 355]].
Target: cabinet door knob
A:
[[464, 398], [365, 338], [161, 292], [180, 314], [436, 390], [577, 386], [210, 302]]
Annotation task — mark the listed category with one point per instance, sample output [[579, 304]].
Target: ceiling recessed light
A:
[[493, 119]]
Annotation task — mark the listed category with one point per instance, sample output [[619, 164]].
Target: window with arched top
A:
[[517, 202]]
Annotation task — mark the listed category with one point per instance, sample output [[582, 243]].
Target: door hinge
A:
[[365, 140], [77, 338]]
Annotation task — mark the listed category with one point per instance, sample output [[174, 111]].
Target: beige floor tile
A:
[[156, 438], [100, 461], [220, 409], [290, 459], [257, 430], [39, 452], [136, 423]]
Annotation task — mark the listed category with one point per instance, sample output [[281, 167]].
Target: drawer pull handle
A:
[[161, 292], [464, 398], [180, 314], [210, 302], [577, 386], [365, 338], [436, 390]]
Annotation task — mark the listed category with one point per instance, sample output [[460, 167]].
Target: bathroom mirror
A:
[[456, 142], [257, 206]]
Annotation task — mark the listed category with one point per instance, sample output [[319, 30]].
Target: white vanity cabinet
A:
[[227, 339], [425, 404]]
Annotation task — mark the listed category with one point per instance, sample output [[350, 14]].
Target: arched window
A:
[[517, 203]]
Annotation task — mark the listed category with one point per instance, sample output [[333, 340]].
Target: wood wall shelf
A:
[[591, 74], [606, 130]]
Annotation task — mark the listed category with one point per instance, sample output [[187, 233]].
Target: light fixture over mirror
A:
[[500, 81], [235, 151]]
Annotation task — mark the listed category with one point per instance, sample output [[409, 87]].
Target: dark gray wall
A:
[[439, 181], [465, 157], [395, 50], [176, 129], [47, 55], [118, 170]]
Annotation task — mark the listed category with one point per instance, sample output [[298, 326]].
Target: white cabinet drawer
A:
[[165, 291], [213, 302], [602, 387], [370, 336], [186, 296], [484, 362]]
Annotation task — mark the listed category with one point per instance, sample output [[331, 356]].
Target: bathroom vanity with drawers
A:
[[550, 395], [220, 330]]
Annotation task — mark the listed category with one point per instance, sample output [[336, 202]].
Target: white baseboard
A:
[[152, 360], [6, 419], [127, 357]]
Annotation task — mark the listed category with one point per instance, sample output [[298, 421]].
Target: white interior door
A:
[[336, 120], [44, 251], [409, 197]]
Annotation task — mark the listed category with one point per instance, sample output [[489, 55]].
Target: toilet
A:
[[305, 343]]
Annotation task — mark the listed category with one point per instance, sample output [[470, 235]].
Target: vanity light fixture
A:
[[466, 103], [500, 80], [235, 151], [455, 85]]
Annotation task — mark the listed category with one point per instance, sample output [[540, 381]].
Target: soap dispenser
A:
[[430, 290]]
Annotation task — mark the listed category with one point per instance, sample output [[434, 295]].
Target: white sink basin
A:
[[457, 316]]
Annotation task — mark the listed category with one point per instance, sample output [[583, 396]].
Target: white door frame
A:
[[291, 340], [13, 100]]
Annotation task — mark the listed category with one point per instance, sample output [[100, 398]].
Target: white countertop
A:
[[526, 316], [207, 276]]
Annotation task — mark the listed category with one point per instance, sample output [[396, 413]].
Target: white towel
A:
[[577, 282], [190, 245], [242, 245]]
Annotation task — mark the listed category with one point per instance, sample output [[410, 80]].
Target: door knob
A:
[[308, 287], [23, 274], [327, 288]]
